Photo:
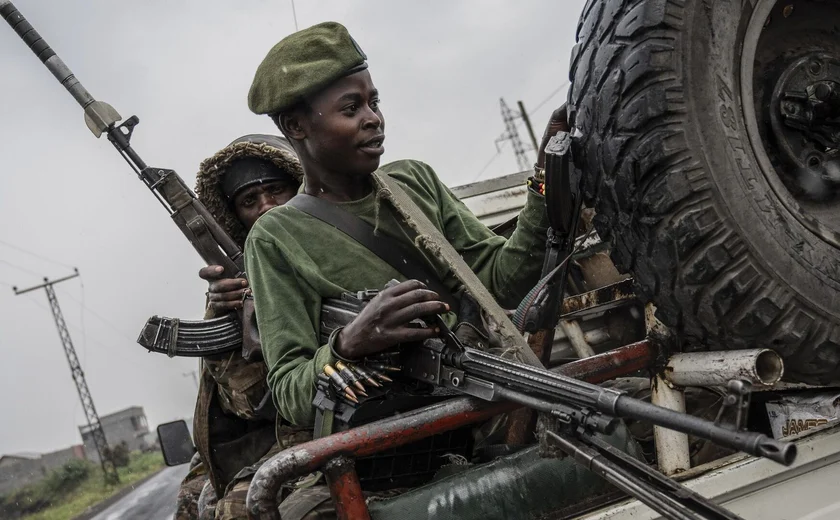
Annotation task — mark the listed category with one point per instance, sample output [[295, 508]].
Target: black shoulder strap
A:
[[391, 251]]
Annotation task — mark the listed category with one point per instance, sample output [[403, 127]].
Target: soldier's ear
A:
[[290, 125]]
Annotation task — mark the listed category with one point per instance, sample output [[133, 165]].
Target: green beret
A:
[[302, 64]]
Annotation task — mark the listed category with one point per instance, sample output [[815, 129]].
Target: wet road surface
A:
[[152, 500]]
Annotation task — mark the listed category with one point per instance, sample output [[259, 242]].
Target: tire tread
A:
[[655, 201]]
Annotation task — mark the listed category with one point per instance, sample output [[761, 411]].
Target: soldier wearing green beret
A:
[[316, 87]]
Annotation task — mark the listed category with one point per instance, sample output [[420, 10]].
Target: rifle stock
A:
[[207, 237]]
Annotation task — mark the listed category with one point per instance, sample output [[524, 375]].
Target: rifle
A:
[[160, 334], [578, 410]]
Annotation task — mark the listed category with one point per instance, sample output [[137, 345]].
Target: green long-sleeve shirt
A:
[[294, 260]]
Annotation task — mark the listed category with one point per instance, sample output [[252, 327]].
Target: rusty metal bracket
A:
[[599, 300]]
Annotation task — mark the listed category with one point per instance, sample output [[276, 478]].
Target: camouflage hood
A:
[[207, 181]]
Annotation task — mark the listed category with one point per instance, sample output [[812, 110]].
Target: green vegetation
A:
[[71, 489]]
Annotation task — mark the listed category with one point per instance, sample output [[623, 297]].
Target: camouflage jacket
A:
[[235, 422]]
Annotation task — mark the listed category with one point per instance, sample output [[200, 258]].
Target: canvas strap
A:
[[515, 345], [389, 250]]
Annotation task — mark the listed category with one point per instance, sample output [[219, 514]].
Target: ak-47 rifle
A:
[[166, 335]]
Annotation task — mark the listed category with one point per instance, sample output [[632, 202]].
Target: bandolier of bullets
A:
[[349, 379]]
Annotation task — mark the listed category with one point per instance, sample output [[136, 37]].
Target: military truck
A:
[[707, 134]]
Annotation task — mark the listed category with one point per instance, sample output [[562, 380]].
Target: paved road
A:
[[152, 500]]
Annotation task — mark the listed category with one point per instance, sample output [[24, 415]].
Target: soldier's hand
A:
[[224, 294], [559, 122], [384, 322]]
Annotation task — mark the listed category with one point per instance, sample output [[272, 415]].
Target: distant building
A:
[[20, 469], [58, 458], [129, 426]]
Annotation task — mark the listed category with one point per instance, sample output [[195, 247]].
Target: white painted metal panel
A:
[[759, 489], [495, 200]]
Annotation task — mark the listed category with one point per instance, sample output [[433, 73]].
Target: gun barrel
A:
[[45, 53], [553, 387], [749, 442]]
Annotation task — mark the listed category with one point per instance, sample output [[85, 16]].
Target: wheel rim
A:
[[791, 103]]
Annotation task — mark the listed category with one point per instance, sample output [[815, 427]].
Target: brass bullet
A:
[[350, 377], [365, 376], [339, 382], [380, 375], [350, 392], [382, 367]]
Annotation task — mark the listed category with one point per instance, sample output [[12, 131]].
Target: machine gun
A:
[[160, 334], [578, 410]]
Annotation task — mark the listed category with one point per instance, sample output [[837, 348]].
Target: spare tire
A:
[[695, 171]]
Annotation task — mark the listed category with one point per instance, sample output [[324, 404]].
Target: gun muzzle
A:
[[99, 116], [781, 452]]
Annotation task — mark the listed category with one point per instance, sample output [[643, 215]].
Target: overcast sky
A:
[[184, 67]]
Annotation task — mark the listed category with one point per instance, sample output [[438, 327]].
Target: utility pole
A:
[[95, 426], [527, 121], [512, 134]]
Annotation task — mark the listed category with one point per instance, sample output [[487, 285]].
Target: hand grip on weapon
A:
[[558, 122], [386, 320], [224, 294]]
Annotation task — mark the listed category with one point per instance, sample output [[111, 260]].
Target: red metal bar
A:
[[595, 369], [412, 426], [609, 365], [346, 490], [360, 442]]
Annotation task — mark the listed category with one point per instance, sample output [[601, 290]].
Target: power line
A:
[[540, 105], [489, 162], [546, 100], [101, 318], [294, 14], [22, 269], [82, 329], [74, 327], [36, 255]]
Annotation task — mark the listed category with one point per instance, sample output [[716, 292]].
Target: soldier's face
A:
[[250, 203], [344, 127]]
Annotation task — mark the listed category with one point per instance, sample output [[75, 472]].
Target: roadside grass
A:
[[91, 490]]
